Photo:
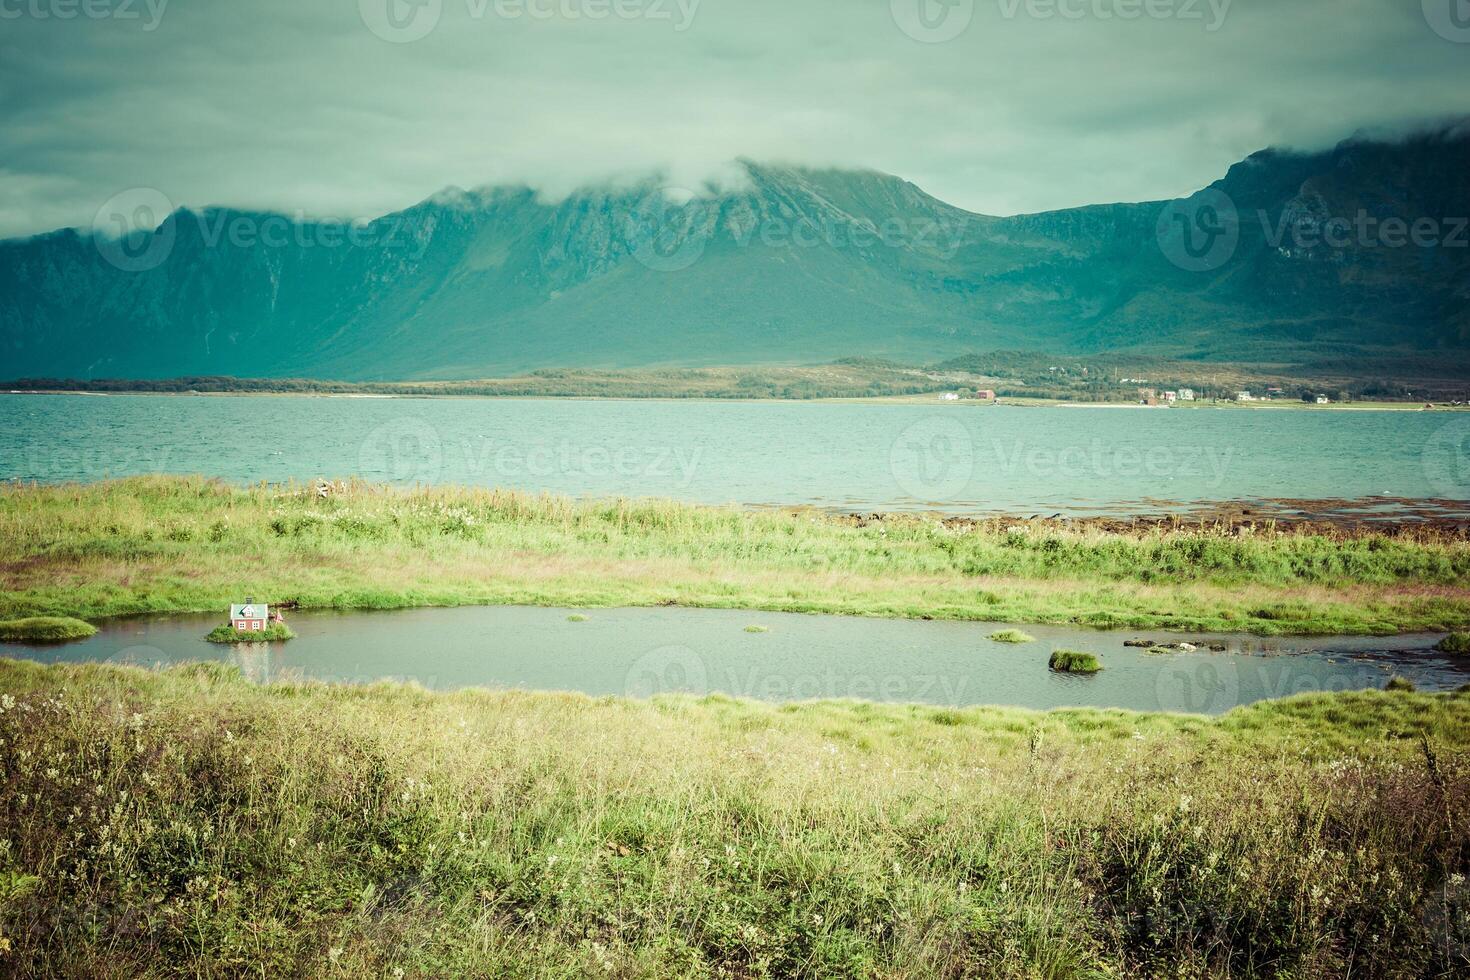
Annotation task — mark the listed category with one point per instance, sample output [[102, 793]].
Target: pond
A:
[[793, 657]]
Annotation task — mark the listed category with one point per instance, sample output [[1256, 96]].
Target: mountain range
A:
[[1355, 253]]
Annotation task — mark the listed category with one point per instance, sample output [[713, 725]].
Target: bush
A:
[[1454, 643], [45, 629], [228, 634], [1074, 662], [1399, 684], [1012, 636], [576, 618]]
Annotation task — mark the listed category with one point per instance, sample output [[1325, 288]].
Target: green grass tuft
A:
[[577, 618], [45, 629], [1012, 636], [1454, 643], [1399, 684], [757, 629], [1074, 662]]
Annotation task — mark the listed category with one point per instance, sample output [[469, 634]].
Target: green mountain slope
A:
[[793, 265]]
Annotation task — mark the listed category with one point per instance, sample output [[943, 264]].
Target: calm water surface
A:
[[640, 652], [839, 455]]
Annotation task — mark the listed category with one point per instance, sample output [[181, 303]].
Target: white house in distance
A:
[[1186, 394], [1323, 400], [949, 396], [250, 616]]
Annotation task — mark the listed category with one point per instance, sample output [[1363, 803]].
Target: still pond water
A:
[[859, 456], [642, 652]]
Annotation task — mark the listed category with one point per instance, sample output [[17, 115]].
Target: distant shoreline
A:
[[1013, 401]]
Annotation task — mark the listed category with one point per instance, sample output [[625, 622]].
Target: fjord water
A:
[[844, 455], [643, 652]]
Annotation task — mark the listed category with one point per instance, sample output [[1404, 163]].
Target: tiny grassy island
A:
[[45, 629], [226, 633], [1012, 636], [1074, 662]]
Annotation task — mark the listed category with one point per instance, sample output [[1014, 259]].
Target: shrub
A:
[[45, 629], [1074, 662], [1012, 636], [757, 629], [576, 618], [1454, 643], [1399, 684]]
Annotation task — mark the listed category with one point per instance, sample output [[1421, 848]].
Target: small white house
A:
[[1244, 396], [949, 396], [1186, 394], [1323, 400]]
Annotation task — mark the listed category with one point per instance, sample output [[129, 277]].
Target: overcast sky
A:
[[347, 108]]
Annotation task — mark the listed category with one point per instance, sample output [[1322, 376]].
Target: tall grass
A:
[[167, 544], [187, 823]]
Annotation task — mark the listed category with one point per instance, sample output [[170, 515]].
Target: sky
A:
[[353, 108]]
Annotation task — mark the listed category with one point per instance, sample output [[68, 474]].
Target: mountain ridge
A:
[[792, 265]]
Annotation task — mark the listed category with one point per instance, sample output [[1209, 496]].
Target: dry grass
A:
[[189, 824]]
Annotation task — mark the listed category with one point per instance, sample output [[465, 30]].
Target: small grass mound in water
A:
[[1012, 636], [757, 629], [1073, 662], [1454, 643], [45, 629], [576, 618], [1399, 684], [228, 634]]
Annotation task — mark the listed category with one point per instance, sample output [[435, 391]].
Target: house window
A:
[[255, 624]]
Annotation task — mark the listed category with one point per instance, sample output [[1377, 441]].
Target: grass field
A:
[[166, 544], [190, 824]]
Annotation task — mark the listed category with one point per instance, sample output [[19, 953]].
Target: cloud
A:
[[333, 110]]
